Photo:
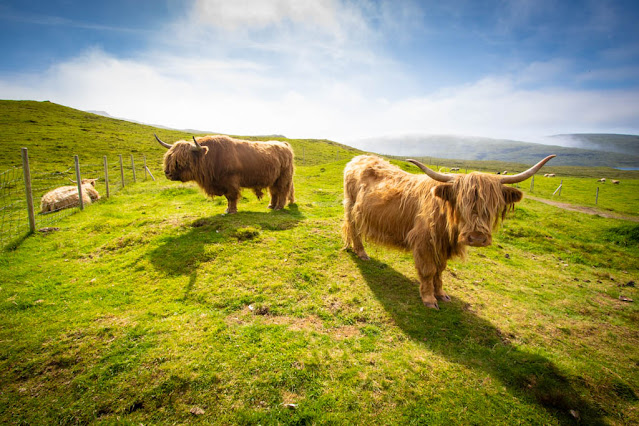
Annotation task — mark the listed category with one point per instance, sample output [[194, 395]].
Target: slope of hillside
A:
[[54, 133], [469, 148]]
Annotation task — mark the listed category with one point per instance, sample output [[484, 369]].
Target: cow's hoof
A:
[[230, 211], [432, 305], [362, 255], [443, 298], [270, 206]]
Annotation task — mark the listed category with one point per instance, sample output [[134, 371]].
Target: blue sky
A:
[[342, 70]]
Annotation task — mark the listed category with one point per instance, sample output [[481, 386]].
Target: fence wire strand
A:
[[14, 215], [13, 205]]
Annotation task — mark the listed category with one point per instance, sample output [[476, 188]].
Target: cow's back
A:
[[384, 200], [252, 164]]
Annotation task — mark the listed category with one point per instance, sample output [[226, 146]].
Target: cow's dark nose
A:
[[477, 239]]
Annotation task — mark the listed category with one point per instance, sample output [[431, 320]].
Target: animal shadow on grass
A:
[[465, 338], [183, 253]]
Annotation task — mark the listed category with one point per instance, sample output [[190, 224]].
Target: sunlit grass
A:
[[154, 307], [154, 303]]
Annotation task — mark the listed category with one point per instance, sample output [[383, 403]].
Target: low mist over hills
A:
[[624, 144], [608, 150]]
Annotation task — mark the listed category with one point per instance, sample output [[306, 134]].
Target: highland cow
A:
[[435, 216], [65, 197], [222, 165]]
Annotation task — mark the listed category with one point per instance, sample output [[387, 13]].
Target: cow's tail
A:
[[291, 193], [347, 224]]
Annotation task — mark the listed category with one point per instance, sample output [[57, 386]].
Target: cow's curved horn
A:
[[528, 173], [164, 144], [433, 174], [197, 146]]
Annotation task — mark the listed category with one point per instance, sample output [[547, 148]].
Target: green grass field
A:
[[152, 307]]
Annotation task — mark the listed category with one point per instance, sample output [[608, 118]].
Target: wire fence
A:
[[32, 201], [14, 219]]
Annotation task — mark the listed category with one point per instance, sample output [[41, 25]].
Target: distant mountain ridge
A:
[[605, 150], [159, 126], [609, 142], [577, 149]]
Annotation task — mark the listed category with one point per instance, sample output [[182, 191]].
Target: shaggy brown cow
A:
[[67, 196], [222, 166], [434, 216]]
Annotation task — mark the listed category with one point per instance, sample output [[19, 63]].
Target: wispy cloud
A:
[[57, 21], [318, 69], [226, 97]]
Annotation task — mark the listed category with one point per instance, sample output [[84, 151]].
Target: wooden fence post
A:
[[106, 175], [27, 188], [149, 170], [559, 188], [532, 183], [133, 167], [79, 180], [144, 160], [121, 170], [597, 196]]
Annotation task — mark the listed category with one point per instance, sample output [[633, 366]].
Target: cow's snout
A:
[[477, 239]]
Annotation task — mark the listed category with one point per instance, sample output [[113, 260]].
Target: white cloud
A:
[[257, 14], [226, 97], [292, 75]]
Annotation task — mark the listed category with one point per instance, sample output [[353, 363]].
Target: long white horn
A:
[[433, 174], [164, 144], [528, 173]]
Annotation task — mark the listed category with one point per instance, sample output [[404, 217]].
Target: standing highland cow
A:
[[222, 165], [434, 216]]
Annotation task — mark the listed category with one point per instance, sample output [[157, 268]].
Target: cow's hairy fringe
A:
[[257, 165], [381, 201]]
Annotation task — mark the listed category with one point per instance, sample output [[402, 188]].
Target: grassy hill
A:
[[469, 148], [152, 307], [54, 133]]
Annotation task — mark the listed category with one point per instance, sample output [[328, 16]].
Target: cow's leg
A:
[[232, 202], [439, 293], [281, 190], [357, 245], [275, 198], [350, 234], [427, 273]]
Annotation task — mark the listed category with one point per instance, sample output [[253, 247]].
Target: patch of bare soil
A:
[[583, 209]]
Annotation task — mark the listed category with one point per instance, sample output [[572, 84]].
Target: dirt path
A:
[[583, 209]]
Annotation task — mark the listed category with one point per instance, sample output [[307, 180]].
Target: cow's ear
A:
[[445, 192], [512, 195]]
